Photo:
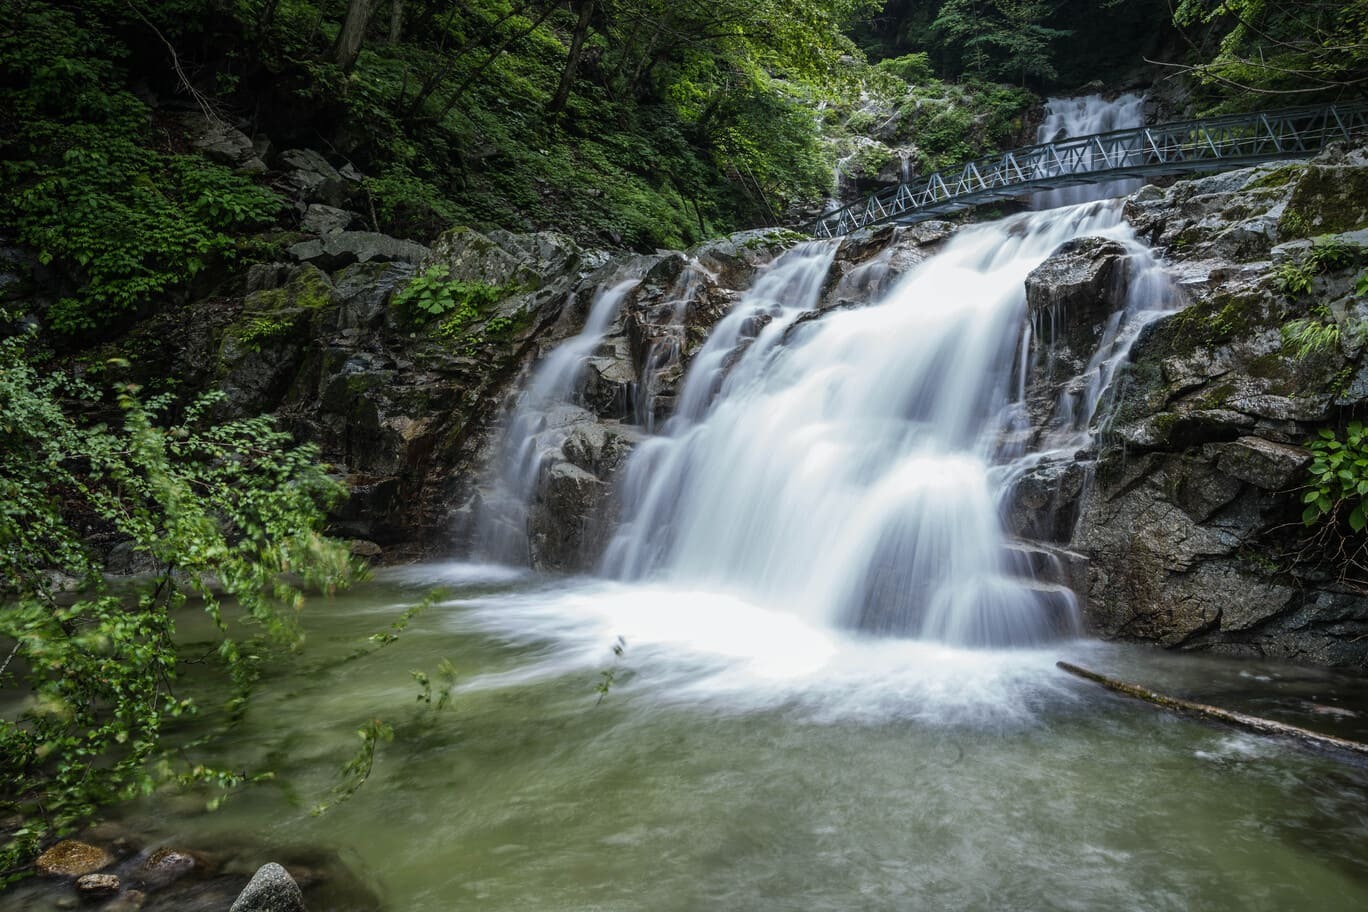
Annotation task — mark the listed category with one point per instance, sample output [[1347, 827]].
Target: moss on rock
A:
[[1326, 200]]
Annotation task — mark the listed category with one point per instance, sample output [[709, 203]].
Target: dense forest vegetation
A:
[[627, 123]]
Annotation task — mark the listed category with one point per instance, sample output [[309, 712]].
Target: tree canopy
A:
[[1296, 50]]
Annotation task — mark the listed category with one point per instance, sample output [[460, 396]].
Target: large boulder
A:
[[1069, 299], [336, 249], [308, 177]]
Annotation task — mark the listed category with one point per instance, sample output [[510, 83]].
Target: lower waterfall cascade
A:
[[844, 449], [851, 468], [850, 465]]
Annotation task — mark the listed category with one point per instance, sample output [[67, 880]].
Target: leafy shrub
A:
[[409, 206], [121, 222], [432, 294], [911, 68], [1295, 278], [235, 503], [129, 224], [1339, 477]]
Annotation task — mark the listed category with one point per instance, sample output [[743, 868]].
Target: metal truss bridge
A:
[[1211, 144]]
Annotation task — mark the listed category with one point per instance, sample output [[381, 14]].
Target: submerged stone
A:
[[70, 858], [97, 885]]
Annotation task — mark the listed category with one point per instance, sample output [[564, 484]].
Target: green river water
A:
[[743, 762]]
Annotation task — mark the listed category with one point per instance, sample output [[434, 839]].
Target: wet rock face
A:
[[400, 405], [570, 520], [1073, 293], [1069, 299]]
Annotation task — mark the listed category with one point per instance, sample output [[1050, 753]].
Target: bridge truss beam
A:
[[1185, 147]]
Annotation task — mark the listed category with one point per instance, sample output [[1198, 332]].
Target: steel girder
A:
[[1212, 144]]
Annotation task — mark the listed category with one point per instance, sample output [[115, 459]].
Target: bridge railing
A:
[[1184, 146]]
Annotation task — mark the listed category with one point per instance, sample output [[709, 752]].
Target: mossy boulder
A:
[[1326, 199]]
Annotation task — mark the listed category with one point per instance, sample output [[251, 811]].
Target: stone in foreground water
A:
[[271, 889], [70, 858]]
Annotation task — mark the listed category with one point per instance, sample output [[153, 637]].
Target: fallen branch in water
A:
[[1255, 724]]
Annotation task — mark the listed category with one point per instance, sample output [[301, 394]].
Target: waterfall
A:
[[850, 465], [852, 473], [1083, 116], [533, 428]]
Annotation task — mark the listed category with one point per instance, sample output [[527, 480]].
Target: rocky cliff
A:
[[1187, 511], [1179, 524]]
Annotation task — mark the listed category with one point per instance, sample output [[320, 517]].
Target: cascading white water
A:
[[848, 467], [1084, 116], [847, 475], [531, 431]]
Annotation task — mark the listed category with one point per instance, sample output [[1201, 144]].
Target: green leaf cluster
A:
[[1339, 478], [1294, 51], [1326, 255], [1296, 278], [121, 221], [1006, 39], [217, 511], [433, 294]]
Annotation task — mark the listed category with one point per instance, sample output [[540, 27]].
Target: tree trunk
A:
[[267, 17], [348, 46], [396, 25], [567, 80], [646, 62]]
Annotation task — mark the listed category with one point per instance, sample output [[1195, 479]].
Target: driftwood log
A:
[[1255, 724]]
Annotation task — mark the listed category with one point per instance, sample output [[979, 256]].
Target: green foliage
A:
[[1326, 255], [123, 222], [1295, 278], [1279, 48], [259, 330], [410, 206], [1339, 478], [446, 676], [357, 770], [432, 294], [219, 510], [1329, 254], [953, 124], [1304, 338], [1005, 39], [914, 68]]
